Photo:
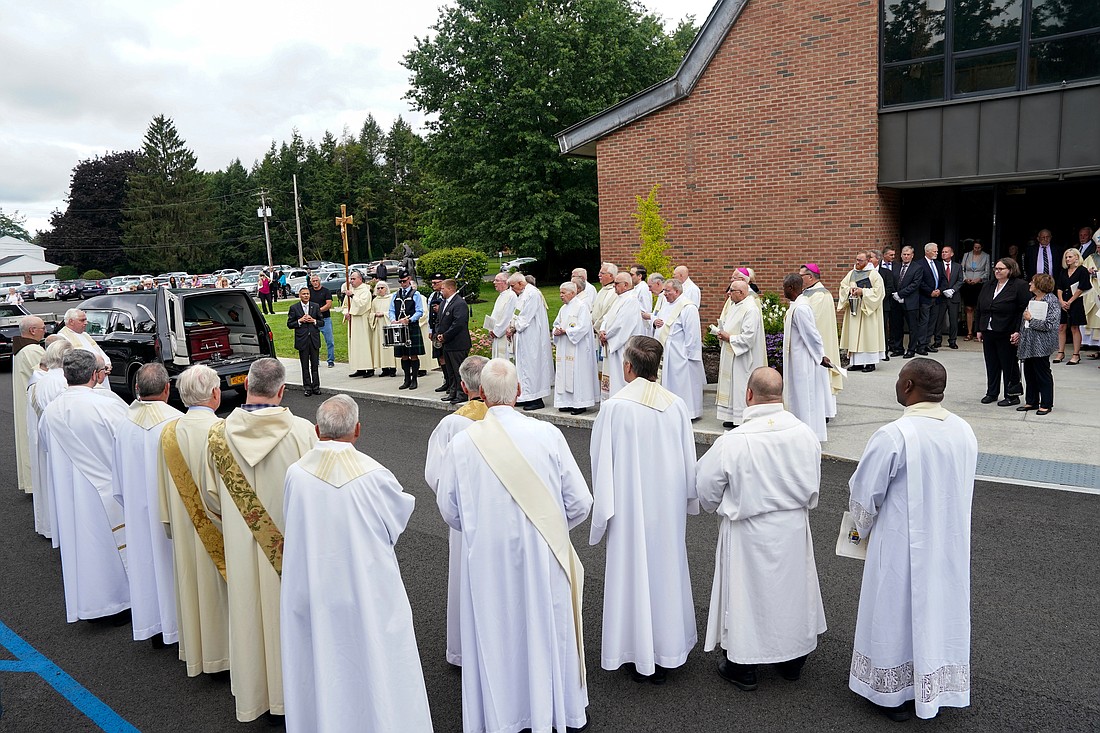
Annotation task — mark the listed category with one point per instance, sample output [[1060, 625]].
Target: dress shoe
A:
[[370, 373], [791, 670], [989, 398], [459, 399], [421, 373], [1025, 408], [1009, 402], [931, 350], [1043, 410], [886, 358], [307, 393], [936, 345], [534, 405], [896, 353], [900, 714], [856, 368], [443, 388], [447, 398], [952, 345], [869, 368], [564, 409], [358, 373], [743, 676], [728, 425], [578, 410], [659, 676], [909, 355]]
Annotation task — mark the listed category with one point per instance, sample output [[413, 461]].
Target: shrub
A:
[[652, 230], [67, 272], [773, 310], [448, 261], [94, 275]]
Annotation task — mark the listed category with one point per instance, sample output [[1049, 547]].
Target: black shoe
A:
[[157, 641], [307, 393], [922, 352], [659, 676], [900, 714], [791, 670], [331, 364], [564, 409], [534, 405], [370, 373], [421, 373], [932, 350], [936, 345], [412, 382], [856, 368], [443, 388], [448, 398], [1009, 402], [989, 398], [886, 358], [1025, 408], [728, 425], [909, 355], [743, 676], [952, 345], [459, 399], [868, 367], [358, 373], [578, 410], [896, 353]]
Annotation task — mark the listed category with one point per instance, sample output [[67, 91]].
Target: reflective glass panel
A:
[[986, 72], [912, 29], [1052, 62], [919, 82], [1049, 17], [985, 23]]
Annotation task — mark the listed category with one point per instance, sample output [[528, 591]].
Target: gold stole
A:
[[536, 501], [209, 535], [474, 409], [252, 510]]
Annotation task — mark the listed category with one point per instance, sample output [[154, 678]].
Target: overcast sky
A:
[[81, 79]]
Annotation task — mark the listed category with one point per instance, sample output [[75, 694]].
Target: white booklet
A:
[[1038, 311], [849, 543], [488, 323]]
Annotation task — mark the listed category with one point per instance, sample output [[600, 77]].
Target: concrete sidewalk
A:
[[1057, 450]]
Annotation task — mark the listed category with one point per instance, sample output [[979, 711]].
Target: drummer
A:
[[408, 307]]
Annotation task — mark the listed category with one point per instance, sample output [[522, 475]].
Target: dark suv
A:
[[220, 328], [74, 289]]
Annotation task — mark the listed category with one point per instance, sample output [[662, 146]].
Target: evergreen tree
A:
[[652, 230], [13, 226], [240, 230]]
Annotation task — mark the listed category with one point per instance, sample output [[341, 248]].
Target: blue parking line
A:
[[29, 659]]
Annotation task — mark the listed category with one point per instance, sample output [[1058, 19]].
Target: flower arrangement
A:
[[774, 311]]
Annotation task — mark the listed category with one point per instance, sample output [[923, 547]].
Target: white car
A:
[[517, 264], [46, 291]]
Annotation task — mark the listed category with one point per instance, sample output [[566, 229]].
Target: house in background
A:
[[803, 130], [24, 261]]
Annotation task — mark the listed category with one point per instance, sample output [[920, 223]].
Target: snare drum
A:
[[396, 334]]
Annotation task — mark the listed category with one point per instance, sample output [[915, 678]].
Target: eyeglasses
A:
[[1000, 267]]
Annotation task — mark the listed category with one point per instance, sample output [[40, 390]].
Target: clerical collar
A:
[[933, 410], [335, 445], [192, 408], [256, 406]]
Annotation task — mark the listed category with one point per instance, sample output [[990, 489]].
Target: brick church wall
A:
[[771, 161]]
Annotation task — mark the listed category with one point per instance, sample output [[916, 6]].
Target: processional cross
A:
[[343, 221]]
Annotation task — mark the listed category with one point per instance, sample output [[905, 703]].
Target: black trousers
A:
[[452, 360], [951, 309], [310, 358], [1039, 382], [266, 303], [899, 318], [1001, 364], [925, 326]]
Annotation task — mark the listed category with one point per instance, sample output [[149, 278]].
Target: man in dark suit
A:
[[452, 335], [890, 286], [910, 278], [1042, 256], [305, 319], [435, 300], [1085, 243], [949, 300], [930, 292]]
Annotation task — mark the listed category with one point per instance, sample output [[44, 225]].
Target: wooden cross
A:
[[343, 221]]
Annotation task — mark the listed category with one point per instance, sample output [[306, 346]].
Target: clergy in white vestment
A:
[[77, 432], [513, 489], [645, 299], [805, 372], [763, 479], [251, 452], [24, 362], [350, 660], [691, 290], [45, 390], [530, 334], [452, 424], [357, 318], [824, 307], [576, 382], [656, 284], [912, 492], [744, 349], [607, 296], [382, 357], [863, 335], [585, 291], [136, 489], [619, 324], [497, 322], [198, 549], [75, 332], [678, 330], [38, 496], [643, 484]]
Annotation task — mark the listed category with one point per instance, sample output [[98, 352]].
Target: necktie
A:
[[935, 275], [1046, 258], [903, 269], [947, 270]]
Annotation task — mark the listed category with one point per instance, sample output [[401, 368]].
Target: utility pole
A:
[[265, 211], [298, 223]]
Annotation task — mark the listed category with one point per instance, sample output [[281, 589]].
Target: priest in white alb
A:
[[805, 366], [643, 484], [530, 334], [251, 451], [44, 391], [677, 328], [862, 294], [744, 346], [576, 383], [472, 410], [76, 333], [497, 322], [77, 431], [824, 307], [350, 660], [619, 324], [762, 479], [513, 489], [136, 489], [607, 296], [640, 284], [585, 291], [24, 363], [911, 498], [691, 290], [358, 317], [39, 497], [198, 549]]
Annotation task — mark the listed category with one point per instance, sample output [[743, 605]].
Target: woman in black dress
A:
[[1001, 305], [1073, 281]]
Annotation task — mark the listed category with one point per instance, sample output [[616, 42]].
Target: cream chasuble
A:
[[863, 335], [745, 351], [23, 365], [379, 317], [357, 305]]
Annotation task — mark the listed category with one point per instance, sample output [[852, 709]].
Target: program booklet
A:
[[1038, 311]]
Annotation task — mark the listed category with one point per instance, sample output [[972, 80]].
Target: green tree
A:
[[652, 230], [88, 234], [403, 158], [166, 221], [499, 78], [239, 229], [12, 226]]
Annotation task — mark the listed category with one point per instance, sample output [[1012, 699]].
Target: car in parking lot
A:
[[78, 289], [27, 291], [392, 266], [249, 282], [220, 328], [46, 290], [10, 316], [517, 264]]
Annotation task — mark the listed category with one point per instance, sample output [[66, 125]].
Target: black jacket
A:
[[1031, 261], [306, 335], [1005, 310], [890, 285], [454, 324], [931, 282], [909, 287]]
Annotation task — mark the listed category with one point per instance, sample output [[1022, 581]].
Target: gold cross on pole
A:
[[343, 221]]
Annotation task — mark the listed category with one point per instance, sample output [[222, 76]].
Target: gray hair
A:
[[55, 354], [644, 353], [79, 366], [569, 286], [516, 277], [931, 247], [499, 382], [580, 282], [72, 314], [151, 379], [611, 268], [470, 372], [579, 272], [875, 253], [27, 323], [265, 377], [656, 278], [337, 417], [530, 280], [197, 384], [675, 285]]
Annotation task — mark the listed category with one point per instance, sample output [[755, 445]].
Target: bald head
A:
[[32, 327], [921, 380], [765, 387], [680, 273]]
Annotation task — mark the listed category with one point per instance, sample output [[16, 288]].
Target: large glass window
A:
[[941, 49]]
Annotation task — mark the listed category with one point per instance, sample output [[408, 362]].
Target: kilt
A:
[[416, 348]]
